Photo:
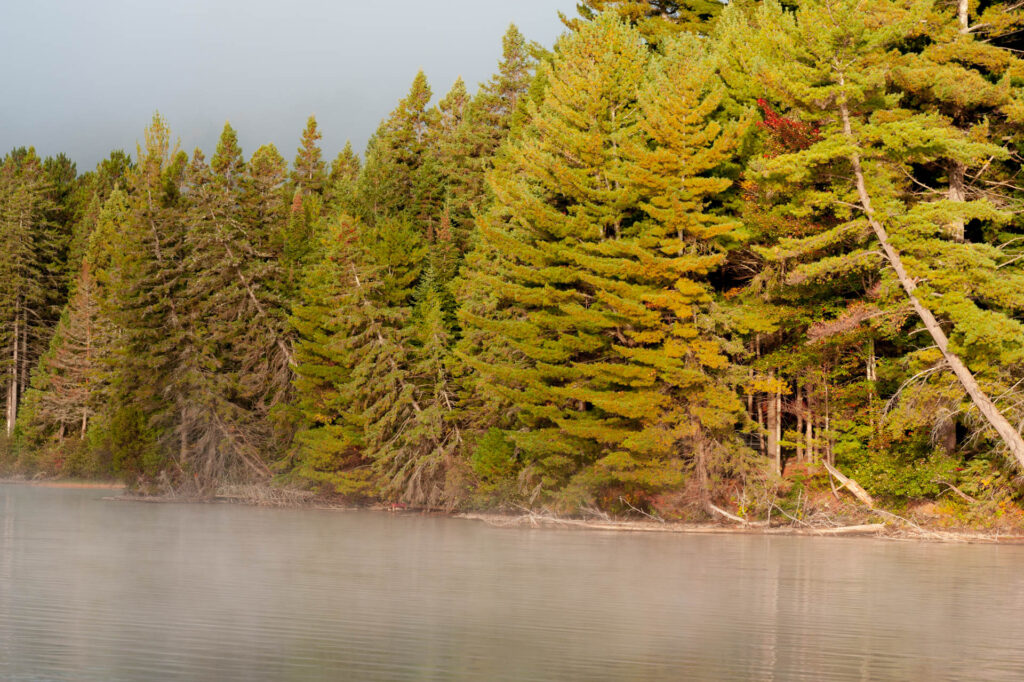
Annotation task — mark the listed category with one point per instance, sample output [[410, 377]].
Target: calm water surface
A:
[[95, 590]]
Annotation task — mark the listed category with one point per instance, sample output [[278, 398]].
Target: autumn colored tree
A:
[[594, 257]]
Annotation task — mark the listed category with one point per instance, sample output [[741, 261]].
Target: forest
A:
[[693, 257]]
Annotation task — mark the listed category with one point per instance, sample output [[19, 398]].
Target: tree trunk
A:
[[778, 431], [957, 192], [774, 423], [810, 433], [800, 407], [762, 421], [12, 388], [1007, 433], [947, 435]]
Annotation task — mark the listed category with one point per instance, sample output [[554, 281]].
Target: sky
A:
[[84, 77]]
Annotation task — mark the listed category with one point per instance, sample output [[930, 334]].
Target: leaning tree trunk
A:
[[1009, 435]]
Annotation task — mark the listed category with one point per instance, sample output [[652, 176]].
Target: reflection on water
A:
[[94, 590]]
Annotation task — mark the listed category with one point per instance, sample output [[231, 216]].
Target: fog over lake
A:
[[99, 590]]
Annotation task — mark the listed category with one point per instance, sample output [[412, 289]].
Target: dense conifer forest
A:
[[693, 256]]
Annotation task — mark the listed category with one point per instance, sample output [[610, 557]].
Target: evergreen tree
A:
[[65, 390], [875, 142], [309, 172], [238, 367], [146, 425], [562, 252], [28, 277], [471, 131], [341, 181], [391, 181], [329, 441], [655, 19]]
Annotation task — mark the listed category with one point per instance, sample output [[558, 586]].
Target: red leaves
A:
[[785, 135]]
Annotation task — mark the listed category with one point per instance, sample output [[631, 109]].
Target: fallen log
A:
[[727, 515], [851, 485]]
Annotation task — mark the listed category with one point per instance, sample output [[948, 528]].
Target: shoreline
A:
[[261, 496], [58, 483]]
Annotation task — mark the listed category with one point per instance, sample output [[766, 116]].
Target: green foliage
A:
[[634, 272], [494, 457]]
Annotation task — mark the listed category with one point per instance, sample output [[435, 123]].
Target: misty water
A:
[[100, 590]]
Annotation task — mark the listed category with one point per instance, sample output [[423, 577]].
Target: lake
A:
[[100, 590]]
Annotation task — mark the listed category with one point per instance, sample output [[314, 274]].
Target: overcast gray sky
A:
[[85, 76]]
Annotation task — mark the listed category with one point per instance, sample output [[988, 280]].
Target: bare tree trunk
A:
[[23, 381], [961, 11], [12, 388], [810, 431], [88, 365], [778, 431], [1007, 433], [957, 192], [762, 421], [800, 407], [829, 455], [774, 432]]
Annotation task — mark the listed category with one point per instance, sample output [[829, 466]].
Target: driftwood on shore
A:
[[534, 520]]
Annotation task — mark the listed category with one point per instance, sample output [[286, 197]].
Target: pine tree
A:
[[391, 181], [380, 340], [685, 167], [329, 442], [67, 384], [822, 62], [354, 378], [655, 19], [467, 146], [419, 467], [28, 274], [341, 181], [145, 427], [238, 366], [309, 172], [561, 335]]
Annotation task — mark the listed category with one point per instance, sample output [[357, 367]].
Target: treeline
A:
[[690, 250]]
